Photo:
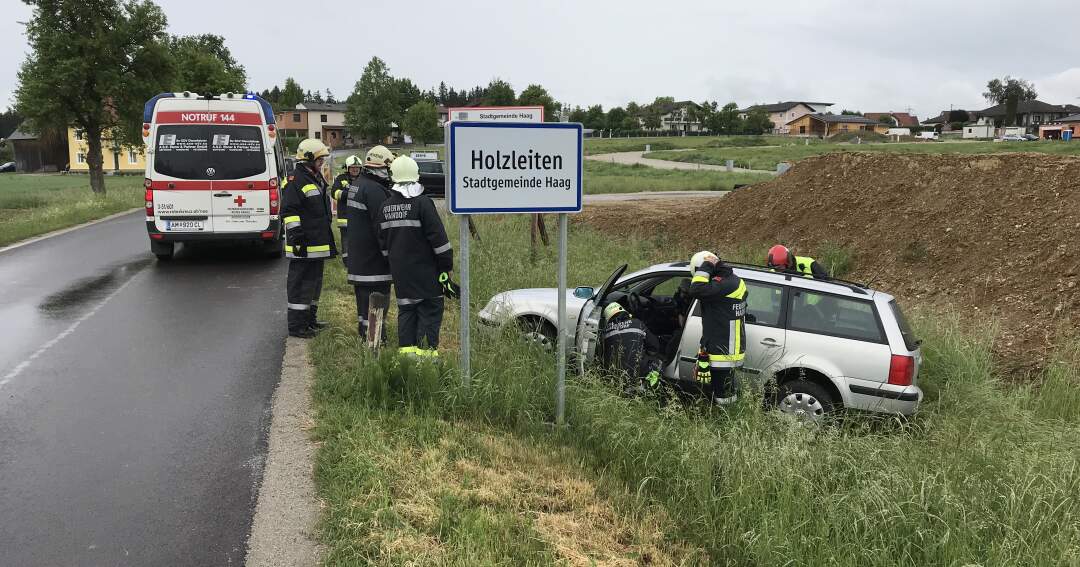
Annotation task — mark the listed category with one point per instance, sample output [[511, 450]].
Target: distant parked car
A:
[[8, 167], [432, 177], [1014, 138], [1031, 137]]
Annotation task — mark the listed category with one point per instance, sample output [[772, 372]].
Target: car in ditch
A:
[[818, 345]]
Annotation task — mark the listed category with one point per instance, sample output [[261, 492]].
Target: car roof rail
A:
[[853, 286]]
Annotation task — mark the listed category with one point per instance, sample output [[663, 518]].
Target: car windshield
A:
[[429, 166], [200, 152]]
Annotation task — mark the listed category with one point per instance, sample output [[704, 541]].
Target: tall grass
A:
[[988, 473], [612, 145], [31, 205]]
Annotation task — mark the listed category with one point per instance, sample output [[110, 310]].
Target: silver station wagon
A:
[[819, 345]]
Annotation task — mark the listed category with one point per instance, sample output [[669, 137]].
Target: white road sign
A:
[[515, 167], [496, 114]]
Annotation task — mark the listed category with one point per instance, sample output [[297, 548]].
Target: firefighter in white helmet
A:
[[723, 333], [421, 258], [369, 270], [309, 237], [340, 193]]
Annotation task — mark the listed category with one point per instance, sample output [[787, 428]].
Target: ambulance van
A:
[[213, 171]]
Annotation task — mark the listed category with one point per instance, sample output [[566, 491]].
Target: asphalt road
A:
[[134, 398]]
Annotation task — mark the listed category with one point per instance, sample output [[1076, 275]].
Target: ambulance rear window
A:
[[199, 151]]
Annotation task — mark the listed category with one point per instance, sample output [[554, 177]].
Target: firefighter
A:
[[723, 337], [782, 260], [309, 237], [368, 268], [630, 349], [412, 236], [340, 194]]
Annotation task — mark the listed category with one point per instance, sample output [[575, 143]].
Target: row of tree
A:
[[292, 94], [95, 68], [635, 118]]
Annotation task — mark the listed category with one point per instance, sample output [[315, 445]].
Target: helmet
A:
[[353, 161], [404, 170], [612, 310], [780, 257], [311, 150], [698, 259], [379, 156]]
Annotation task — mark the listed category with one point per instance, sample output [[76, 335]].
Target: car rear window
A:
[[429, 166], [192, 151], [910, 340], [835, 316]]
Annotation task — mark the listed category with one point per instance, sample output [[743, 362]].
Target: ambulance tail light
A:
[[271, 131], [145, 129], [274, 202], [149, 199], [268, 235]]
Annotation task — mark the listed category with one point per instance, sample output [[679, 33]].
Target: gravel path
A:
[[631, 158]]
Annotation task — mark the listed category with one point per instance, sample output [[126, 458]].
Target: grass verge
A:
[[611, 145], [414, 467], [31, 205], [603, 177], [768, 157]]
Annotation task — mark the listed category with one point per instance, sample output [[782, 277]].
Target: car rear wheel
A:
[[163, 250], [805, 400]]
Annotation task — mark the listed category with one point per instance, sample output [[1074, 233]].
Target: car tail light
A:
[[901, 370], [273, 198]]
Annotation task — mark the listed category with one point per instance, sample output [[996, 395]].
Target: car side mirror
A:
[[583, 292], [751, 318]]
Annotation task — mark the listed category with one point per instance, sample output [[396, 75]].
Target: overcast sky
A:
[[867, 55]]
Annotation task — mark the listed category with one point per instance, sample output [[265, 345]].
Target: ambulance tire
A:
[[163, 250], [274, 249]]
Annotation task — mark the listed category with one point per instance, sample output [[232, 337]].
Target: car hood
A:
[[542, 301]]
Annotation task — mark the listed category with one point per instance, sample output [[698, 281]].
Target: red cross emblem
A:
[[239, 200]]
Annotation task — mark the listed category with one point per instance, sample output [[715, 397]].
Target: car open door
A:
[[588, 326]]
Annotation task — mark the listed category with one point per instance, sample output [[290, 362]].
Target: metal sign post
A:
[[506, 167]]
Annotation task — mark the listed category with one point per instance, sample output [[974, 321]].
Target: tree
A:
[[536, 95], [330, 97], [633, 109], [408, 94], [887, 119], [999, 90], [651, 117], [9, 121], [594, 118], [275, 95], [205, 66], [846, 112], [757, 122], [93, 67], [317, 97], [499, 93], [292, 94], [616, 118], [373, 104], [577, 115], [726, 120], [422, 122]]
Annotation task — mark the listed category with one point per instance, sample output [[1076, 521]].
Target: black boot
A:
[[315, 323]]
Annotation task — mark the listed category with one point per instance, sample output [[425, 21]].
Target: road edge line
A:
[[60, 231], [287, 509]]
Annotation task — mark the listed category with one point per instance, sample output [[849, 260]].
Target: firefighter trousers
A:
[[419, 321], [303, 286], [344, 244], [363, 303]]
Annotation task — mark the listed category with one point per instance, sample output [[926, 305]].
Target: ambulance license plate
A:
[[183, 225]]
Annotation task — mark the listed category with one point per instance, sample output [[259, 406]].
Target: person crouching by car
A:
[[630, 349]]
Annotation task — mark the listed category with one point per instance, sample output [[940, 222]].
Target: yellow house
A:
[[128, 160]]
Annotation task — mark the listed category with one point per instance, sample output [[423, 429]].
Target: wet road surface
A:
[[134, 398]]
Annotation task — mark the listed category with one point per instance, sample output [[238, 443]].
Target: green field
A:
[[413, 468], [35, 204], [602, 177], [611, 145], [767, 158]]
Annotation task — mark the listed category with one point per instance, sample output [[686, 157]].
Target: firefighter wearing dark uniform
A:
[[782, 260], [309, 238], [723, 338], [413, 236], [369, 270], [340, 192], [629, 348]]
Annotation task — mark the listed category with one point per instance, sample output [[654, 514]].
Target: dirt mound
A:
[[990, 234]]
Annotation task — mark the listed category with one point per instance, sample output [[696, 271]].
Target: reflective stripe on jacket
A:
[[414, 240], [305, 210], [723, 310]]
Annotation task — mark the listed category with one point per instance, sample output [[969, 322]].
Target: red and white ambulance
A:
[[213, 166]]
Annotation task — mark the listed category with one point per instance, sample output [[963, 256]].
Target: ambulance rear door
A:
[[243, 159], [179, 179]]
